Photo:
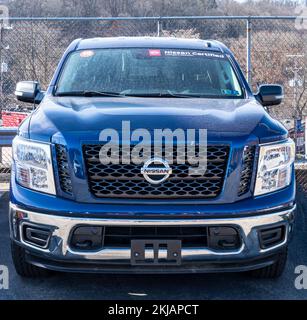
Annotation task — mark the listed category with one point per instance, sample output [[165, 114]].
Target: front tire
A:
[[273, 271], [22, 267]]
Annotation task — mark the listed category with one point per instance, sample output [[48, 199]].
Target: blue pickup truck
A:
[[151, 155]]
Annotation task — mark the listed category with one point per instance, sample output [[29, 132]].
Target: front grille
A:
[[63, 169], [126, 181], [247, 169]]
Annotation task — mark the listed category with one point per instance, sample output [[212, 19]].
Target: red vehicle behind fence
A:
[[12, 119]]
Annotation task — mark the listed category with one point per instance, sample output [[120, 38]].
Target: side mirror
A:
[[29, 91], [270, 94]]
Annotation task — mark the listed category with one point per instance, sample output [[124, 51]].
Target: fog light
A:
[[87, 238]]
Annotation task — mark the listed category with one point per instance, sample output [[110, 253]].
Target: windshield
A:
[[149, 72]]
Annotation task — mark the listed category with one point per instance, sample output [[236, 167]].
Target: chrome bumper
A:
[[62, 226]]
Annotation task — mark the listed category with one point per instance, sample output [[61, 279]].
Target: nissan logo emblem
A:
[[156, 170]]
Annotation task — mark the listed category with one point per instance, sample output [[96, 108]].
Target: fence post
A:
[[158, 27], [248, 50]]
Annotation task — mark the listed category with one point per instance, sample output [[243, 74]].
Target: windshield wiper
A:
[[181, 95], [88, 94], [167, 94]]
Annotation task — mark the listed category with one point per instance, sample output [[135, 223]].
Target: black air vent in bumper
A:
[[36, 235], [271, 237]]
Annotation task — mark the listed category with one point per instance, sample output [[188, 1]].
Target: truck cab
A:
[[151, 155]]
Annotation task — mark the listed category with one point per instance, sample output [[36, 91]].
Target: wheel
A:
[[273, 271], [22, 267]]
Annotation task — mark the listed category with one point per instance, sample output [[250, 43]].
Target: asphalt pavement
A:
[[164, 287]]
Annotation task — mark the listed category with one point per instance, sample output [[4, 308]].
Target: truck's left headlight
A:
[[274, 167], [33, 164]]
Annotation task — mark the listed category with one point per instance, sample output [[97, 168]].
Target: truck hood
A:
[[221, 117]]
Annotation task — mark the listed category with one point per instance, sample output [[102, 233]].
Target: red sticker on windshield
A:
[[154, 52]]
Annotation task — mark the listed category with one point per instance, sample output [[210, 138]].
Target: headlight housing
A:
[[274, 167], [33, 164]]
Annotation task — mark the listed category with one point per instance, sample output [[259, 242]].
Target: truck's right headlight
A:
[[274, 167], [33, 164]]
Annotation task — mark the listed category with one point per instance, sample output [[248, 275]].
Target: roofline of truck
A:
[[138, 42]]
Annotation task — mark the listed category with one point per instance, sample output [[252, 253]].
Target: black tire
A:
[[273, 271], [23, 268]]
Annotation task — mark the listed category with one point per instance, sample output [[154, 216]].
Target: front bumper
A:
[[59, 255]]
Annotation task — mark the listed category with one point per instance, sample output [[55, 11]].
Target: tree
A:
[[301, 105], [80, 8]]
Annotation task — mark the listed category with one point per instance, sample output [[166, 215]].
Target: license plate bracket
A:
[[155, 252]]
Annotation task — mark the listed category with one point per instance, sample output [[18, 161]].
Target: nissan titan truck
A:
[[151, 155]]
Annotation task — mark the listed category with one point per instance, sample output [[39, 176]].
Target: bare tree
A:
[[80, 8], [117, 8], [301, 104]]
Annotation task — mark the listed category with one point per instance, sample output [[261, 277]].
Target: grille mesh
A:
[[247, 169], [63, 169], [126, 180]]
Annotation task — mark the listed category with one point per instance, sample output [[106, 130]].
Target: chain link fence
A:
[[6, 137], [269, 50], [5, 163]]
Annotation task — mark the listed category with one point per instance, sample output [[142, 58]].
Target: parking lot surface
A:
[[192, 286]]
